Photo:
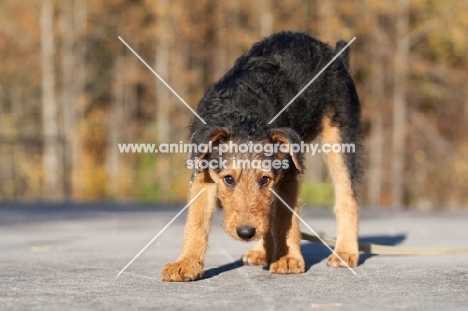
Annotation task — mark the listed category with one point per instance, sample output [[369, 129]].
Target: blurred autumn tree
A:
[[70, 91]]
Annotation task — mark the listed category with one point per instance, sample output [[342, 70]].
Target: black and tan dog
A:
[[238, 109]]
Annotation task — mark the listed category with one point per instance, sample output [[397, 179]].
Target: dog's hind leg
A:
[[345, 170], [190, 264]]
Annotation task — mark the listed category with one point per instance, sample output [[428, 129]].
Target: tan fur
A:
[[287, 257], [190, 264], [346, 204]]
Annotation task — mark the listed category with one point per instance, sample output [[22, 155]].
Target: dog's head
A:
[[244, 172]]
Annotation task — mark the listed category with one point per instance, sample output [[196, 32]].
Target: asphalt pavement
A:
[[66, 257]]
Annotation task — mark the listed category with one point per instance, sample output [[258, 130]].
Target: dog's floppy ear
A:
[[213, 138], [211, 141], [287, 137]]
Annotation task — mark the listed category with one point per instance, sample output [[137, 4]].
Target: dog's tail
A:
[[345, 55]]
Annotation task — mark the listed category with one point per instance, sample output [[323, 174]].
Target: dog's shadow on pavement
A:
[[224, 268], [315, 253]]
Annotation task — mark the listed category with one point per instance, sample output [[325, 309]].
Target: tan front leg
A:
[[287, 257], [189, 265]]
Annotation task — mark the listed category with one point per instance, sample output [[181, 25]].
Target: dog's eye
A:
[[229, 180], [264, 180]]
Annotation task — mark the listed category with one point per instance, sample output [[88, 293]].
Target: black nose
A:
[[245, 232]]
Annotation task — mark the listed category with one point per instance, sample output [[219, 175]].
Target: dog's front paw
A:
[[288, 265], [254, 257], [182, 271], [350, 259]]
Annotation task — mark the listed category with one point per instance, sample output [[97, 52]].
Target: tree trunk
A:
[[234, 46], [377, 91], [466, 90], [210, 44], [67, 94], [49, 105], [162, 98], [80, 11], [266, 18], [222, 37], [115, 126], [399, 102], [326, 11]]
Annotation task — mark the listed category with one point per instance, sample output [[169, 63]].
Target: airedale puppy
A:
[[238, 109]]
